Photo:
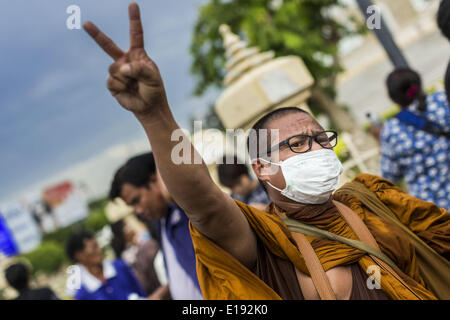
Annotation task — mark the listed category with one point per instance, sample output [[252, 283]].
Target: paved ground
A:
[[366, 90]]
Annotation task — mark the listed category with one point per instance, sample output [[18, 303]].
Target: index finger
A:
[[136, 31], [103, 41]]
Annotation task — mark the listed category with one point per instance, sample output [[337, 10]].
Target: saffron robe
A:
[[221, 276]]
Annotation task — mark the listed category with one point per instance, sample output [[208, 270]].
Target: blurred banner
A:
[[19, 232], [65, 204], [22, 223], [7, 244]]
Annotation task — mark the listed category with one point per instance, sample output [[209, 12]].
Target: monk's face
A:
[[149, 201], [288, 126]]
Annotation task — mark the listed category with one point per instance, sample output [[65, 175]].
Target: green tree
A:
[[47, 258], [304, 28]]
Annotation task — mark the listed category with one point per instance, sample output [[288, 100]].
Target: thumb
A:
[[138, 70]]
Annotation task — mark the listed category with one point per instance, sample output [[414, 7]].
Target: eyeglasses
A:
[[302, 143]]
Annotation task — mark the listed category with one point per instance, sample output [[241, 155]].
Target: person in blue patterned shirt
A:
[[415, 144]]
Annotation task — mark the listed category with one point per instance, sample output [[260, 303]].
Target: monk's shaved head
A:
[[292, 115]]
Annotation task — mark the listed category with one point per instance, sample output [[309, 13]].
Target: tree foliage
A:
[[305, 28], [47, 258]]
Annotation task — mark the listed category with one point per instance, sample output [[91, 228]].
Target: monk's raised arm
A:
[[137, 85]]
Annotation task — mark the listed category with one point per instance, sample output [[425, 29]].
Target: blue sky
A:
[[55, 110]]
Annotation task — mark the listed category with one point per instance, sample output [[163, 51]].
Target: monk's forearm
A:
[[188, 182], [210, 211]]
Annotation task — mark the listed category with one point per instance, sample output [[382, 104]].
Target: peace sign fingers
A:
[[136, 31], [103, 41], [134, 79]]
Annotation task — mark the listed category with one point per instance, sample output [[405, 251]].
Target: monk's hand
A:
[[134, 78]]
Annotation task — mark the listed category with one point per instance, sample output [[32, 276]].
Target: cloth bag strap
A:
[[364, 234], [297, 226], [434, 268], [315, 268], [318, 275], [367, 244]]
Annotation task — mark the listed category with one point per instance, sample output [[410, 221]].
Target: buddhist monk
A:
[[245, 253]]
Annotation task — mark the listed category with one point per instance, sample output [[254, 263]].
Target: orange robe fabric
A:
[[222, 277]]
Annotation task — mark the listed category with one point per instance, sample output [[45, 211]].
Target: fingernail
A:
[[125, 69]]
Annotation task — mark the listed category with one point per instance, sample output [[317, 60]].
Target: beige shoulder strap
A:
[[357, 225], [364, 234], [318, 275]]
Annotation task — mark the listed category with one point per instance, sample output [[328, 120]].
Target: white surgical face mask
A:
[[310, 177]]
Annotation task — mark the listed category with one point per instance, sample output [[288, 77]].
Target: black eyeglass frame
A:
[[284, 142]]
